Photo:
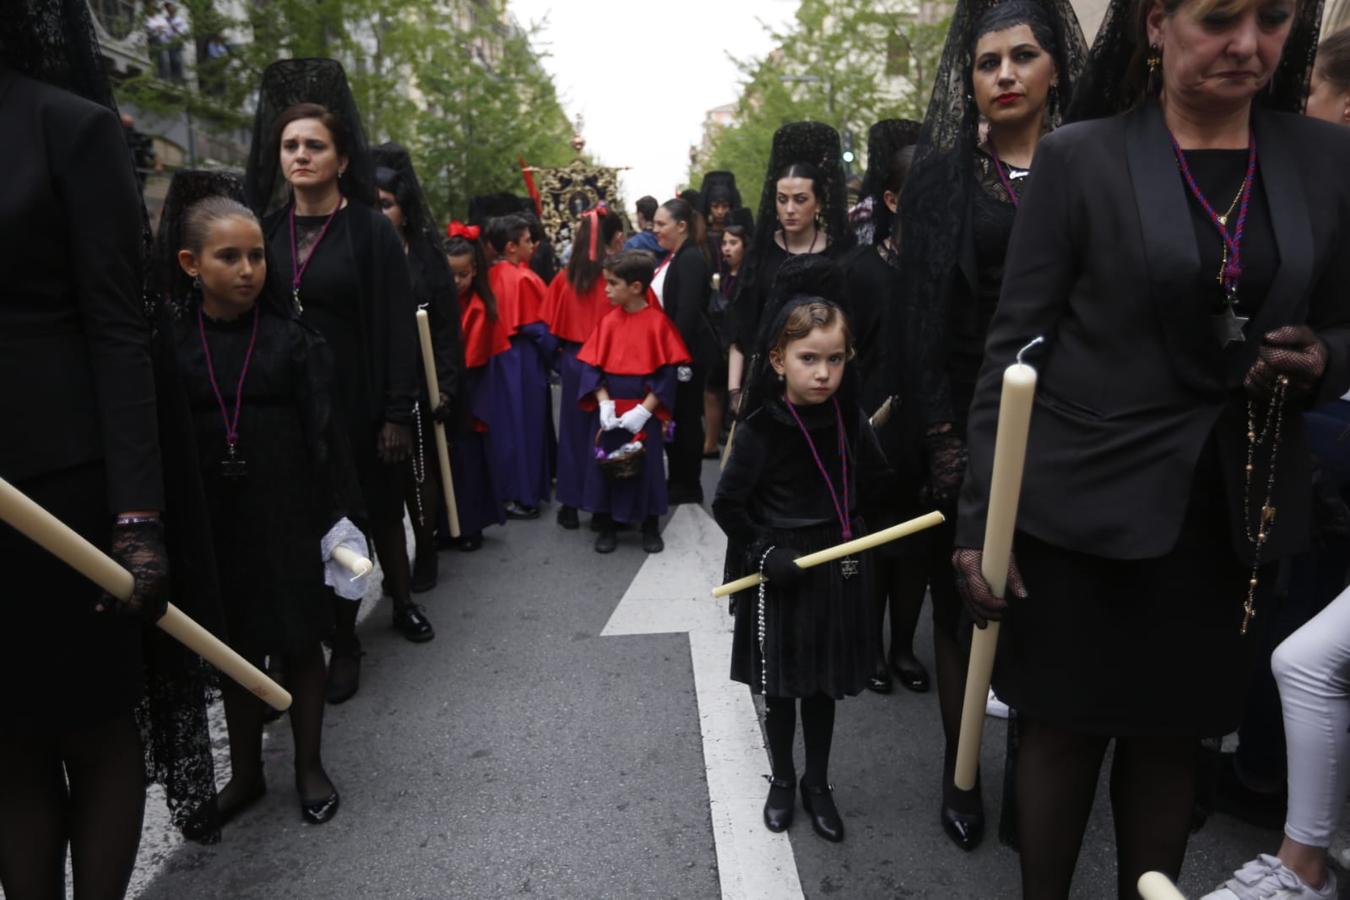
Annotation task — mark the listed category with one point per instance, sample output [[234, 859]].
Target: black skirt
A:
[[1135, 647], [63, 666], [819, 637]]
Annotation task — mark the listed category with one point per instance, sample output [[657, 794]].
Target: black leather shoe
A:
[[651, 538], [468, 543], [779, 807], [606, 541], [412, 623], [911, 673], [321, 810], [966, 829], [679, 493], [344, 673], [879, 682], [516, 510], [567, 518], [425, 571], [205, 821], [818, 801]]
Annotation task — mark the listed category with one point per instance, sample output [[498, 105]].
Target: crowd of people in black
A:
[[1166, 210]]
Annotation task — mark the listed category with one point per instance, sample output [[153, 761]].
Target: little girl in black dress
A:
[[802, 457]]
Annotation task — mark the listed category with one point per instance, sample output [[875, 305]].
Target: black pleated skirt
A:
[[818, 638]]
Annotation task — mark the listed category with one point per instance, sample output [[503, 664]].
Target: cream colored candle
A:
[[839, 551], [1010, 450], [61, 541], [1157, 886], [352, 561], [442, 446]]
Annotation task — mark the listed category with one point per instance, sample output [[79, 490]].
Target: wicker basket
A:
[[619, 468]]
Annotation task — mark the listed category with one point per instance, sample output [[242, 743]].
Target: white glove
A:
[[635, 419], [608, 420]]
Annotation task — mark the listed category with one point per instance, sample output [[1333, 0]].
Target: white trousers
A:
[[1312, 669]]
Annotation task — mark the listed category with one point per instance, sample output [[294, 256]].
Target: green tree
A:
[[848, 63]]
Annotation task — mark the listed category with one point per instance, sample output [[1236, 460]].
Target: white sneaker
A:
[[995, 707], [1266, 878]]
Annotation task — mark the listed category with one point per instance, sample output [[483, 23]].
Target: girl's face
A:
[[1224, 58], [1326, 101], [527, 245], [813, 366], [309, 158], [392, 211], [796, 204], [232, 266], [463, 269], [717, 212], [733, 250], [669, 233], [1012, 76]]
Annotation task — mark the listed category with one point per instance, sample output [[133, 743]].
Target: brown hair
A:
[[1333, 59], [807, 317], [328, 119], [632, 265], [204, 213]]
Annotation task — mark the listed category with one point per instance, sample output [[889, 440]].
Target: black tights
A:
[[901, 587], [780, 725], [1152, 791], [244, 714], [85, 788]]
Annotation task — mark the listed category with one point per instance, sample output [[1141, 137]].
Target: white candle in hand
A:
[[1005, 486], [442, 443]]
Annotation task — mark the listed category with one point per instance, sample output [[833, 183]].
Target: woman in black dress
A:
[[344, 267], [802, 210], [1010, 65], [1167, 465], [403, 204], [877, 304]]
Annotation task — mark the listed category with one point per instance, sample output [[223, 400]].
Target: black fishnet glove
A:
[[947, 457], [139, 548], [395, 443], [1294, 352], [441, 412], [782, 570], [979, 598]]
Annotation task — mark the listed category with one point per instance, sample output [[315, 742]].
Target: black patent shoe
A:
[[911, 673], [205, 822], [606, 541], [966, 829], [818, 801], [320, 811], [516, 510], [413, 624], [567, 518], [779, 807], [879, 682], [425, 572], [651, 537], [344, 673], [470, 542]]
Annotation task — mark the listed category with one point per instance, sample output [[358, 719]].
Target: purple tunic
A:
[[476, 483], [576, 430], [536, 446], [631, 500]]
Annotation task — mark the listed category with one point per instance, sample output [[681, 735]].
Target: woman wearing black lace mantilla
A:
[[1006, 74], [1184, 261]]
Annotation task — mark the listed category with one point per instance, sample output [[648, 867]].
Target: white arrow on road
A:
[[671, 595]]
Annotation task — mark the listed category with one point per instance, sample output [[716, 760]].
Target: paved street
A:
[[571, 733]]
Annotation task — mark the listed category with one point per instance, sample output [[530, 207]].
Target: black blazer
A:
[[685, 300], [1103, 262], [76, 384]]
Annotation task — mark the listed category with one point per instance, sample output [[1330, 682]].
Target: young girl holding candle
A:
[[277, 473], [479, 490], [802, 457]]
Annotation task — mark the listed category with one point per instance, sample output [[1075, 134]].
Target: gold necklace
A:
[[1223, 220]]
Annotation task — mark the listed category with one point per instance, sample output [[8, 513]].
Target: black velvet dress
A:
[[1094, 617], [819, 637], [268, 525]]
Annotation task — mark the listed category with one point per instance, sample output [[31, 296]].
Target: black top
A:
[[1110, 262], [433, 289], [75, 373], [1219, 174], [753, 295], [685, 300]]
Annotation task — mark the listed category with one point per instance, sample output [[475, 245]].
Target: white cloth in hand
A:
[[608, 420], [635, 419], [337, 576]]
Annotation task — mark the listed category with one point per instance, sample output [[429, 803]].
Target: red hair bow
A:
[[459, 229], [594, 214]]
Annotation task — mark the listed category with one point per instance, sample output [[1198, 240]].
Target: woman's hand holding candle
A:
[[984, 607], [781, 569], [138, 546]]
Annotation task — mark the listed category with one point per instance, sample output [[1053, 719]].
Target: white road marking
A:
[[670, 594]]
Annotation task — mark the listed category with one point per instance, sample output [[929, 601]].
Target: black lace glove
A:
[[395, 443], [139, 548], [782, 570], [1294, 352], [946, 455], [980, 601], [441, 412]]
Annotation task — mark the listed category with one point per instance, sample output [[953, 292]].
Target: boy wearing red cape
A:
[[628, 381]]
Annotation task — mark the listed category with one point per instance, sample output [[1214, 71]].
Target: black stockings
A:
[[901, 587], [244, 714], [1152, 791], [86, 788], [780, 725]]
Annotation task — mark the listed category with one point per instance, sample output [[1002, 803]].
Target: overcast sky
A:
[[642, 75]]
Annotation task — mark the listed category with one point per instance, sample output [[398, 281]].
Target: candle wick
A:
[[1037, 341]]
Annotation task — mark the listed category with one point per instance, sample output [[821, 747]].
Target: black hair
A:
[[389, 180], [582, 271], [202, 214], [646, 207], [632, 265], [505, 229], [682, 210], [461, 246], [1010, 14], [811, 172], [693, 197], [342, 139]]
